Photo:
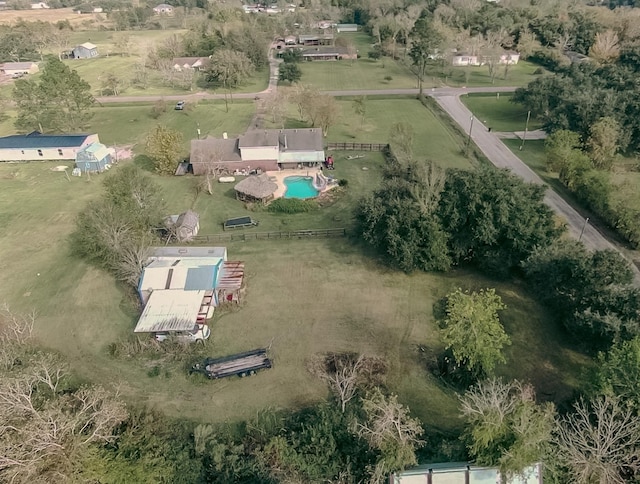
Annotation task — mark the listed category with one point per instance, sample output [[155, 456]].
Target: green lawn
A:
[[302, 297], [130, 123], [369, 74], [497, 110], [433, 139], [519, 75]]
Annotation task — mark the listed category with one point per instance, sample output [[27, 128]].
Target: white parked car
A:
[[200, 333]]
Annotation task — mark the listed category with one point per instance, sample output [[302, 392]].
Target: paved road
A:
[[503, 157], [273, 84]]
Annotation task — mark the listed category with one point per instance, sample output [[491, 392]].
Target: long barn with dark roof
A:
[[37, 146]]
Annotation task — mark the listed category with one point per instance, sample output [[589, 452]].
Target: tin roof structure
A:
[[231, 276], [170, 310]]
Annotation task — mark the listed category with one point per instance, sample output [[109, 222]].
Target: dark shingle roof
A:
[[323, 50], [305, 139], [38, 140], [214, 150], [259, 138]]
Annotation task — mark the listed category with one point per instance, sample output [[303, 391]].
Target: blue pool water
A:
[[299, 187]]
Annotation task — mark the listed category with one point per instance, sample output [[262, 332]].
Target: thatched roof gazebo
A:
[[256, 188]]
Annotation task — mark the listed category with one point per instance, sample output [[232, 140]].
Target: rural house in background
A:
[[84, 51], [184, 226], [347, 28], [315, 39], [268, 150], [197, 63], [94, 158], [163, 9], [463, 59], [18, 68], [39, 5], [37, 146], [327, 53]]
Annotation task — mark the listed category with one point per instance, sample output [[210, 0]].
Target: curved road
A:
[[449, 100]]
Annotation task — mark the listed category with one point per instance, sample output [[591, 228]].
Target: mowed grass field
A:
[[432, 139], [499, 112], [302, 297], [50, 15], [520, 74], [120, 124], [366, 73]]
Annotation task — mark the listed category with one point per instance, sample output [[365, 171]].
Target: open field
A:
[[499, 112], [130, 123], [302, 297], [432, 139], [478, 76], [366, 73], [50, 15]]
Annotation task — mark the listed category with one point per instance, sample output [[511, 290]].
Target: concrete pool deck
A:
[[279, 176]]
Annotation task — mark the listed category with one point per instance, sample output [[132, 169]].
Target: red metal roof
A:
[[231, 275]]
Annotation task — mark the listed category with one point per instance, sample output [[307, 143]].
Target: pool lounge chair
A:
[[240, 223]]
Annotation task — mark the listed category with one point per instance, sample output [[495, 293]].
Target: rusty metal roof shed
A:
[[231, 275]]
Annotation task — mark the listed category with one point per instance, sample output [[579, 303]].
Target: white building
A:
[[39, 5], [463, 473], [17, 68], [163, 9], [43, 147]]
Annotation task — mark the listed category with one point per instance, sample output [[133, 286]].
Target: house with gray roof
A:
[[328, 52], [84, 51], [43, 147], [265, 149]]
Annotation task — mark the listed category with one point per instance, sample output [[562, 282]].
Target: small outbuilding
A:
[[187, 226], [256, 188], [94, 158], [84, 51]]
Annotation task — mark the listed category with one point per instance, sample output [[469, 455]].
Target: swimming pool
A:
[[300, 187]]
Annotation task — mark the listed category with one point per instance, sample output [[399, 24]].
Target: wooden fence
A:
[[357, 146], [296, 234]]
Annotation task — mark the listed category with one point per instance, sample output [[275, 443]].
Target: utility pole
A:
[[466, 150], [526, 128], [586, 221]]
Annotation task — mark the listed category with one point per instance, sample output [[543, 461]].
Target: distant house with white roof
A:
[[84, 51], [39, 5], [17, 68], [196, 63]]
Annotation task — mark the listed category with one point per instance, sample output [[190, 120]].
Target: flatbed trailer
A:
[[239, 223], [242, 364]]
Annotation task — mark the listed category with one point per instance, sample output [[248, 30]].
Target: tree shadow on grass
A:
[[144, 163]]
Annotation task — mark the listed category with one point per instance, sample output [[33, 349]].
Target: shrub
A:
[[343, 182], [158, 109], [388, 78], [291, 205], [538, 71]]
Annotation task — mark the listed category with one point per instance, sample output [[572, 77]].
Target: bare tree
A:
[[275, 105], [123, 43], [600, 442], [606, 47], [387, 420], [15, 332], [131, 259], [401, 140], [345, 373], [430, 184]]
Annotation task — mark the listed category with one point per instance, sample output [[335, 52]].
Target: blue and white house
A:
[[43, 147], [94, 158]]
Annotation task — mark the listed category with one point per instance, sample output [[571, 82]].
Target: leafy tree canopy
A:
[[472, 330]]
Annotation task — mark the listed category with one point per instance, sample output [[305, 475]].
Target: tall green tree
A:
[[494, 219], [394, 223], [164, 146], [58, 101], [472, 330], [229, 68], [289, 71], [360, 108], [425, 43], [617, 373], [603, 142]]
